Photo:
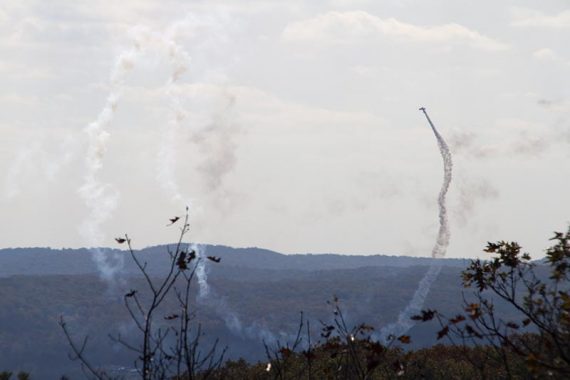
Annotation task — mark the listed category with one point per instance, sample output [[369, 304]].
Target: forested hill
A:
[[40, 261], [262, 289]]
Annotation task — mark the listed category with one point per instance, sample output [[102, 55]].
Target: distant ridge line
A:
[[47, 261]]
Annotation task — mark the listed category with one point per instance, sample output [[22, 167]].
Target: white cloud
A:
[[17, 99], [365, 71], [524, 17], [545, 54], [345, 27]]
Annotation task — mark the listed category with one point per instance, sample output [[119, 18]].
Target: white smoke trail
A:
[[443, 235], [201, 275], [207, 296], [101, 199], [166, 160], [404, 322], [212, 132], [216, 168], [166, 165]]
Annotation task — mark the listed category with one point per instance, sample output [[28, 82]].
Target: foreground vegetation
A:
[[484, 340], [335, 361], [484, 345]]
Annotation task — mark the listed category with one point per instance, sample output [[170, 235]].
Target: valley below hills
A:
[[264, 291]]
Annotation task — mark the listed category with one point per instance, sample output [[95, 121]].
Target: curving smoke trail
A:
[[166, 165], [215, 168], [101, 199], [443, 235], [404, 322]]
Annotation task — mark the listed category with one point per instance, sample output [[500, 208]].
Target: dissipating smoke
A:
[[166, 158], [232, 320], [101, 199]]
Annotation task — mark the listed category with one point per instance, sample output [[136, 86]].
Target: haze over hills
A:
[[265, 290]]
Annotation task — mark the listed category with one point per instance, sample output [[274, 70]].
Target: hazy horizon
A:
[[110, 247]]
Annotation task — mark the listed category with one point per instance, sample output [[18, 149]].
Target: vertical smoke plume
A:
[[166, 162], [207, 296], [201, 275], [404, 322], [101, 199]]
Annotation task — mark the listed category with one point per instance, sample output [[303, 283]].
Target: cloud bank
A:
[[345, 27]]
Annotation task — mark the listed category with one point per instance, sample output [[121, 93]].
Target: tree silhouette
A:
[[168, 345], [541, 334]]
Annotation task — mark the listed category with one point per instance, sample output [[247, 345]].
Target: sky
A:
[[292, 126]]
